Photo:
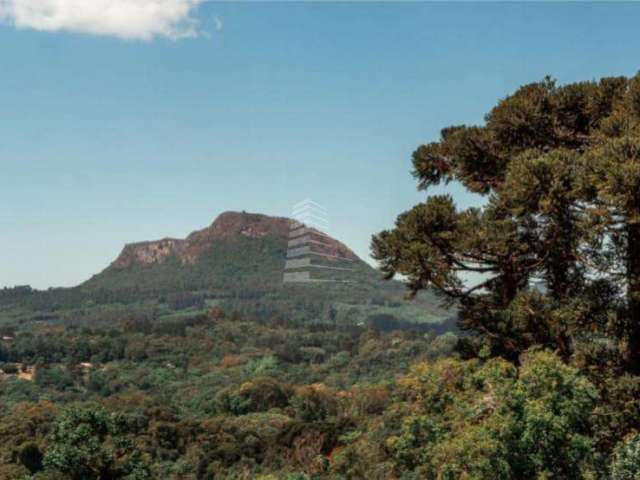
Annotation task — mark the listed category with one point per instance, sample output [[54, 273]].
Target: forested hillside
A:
[[204, 397], [557, 248], [238, 264], [541, 382]]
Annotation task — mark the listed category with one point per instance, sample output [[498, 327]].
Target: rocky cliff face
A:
[[227, 226], [146, 253]]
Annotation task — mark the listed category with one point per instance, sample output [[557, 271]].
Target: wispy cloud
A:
[[128, 19]]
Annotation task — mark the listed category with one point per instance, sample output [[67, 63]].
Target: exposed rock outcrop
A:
[[227, 226]]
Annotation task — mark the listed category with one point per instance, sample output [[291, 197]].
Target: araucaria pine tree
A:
[[552, 258]]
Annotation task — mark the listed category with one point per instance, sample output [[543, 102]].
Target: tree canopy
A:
[[556, 245]]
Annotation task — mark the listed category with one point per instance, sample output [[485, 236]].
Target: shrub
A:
[[257, 395], [487, 419], [314, 403], [626, 459], [264, 366]]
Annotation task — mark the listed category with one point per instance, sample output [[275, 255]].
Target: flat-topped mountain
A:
[[238, 254], [227, 226], [239, 263]]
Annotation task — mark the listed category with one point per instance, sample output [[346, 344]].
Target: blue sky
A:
[[110, 137]]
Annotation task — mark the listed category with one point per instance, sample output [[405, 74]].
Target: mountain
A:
[[228, 226], [238, 252], [238, 263]]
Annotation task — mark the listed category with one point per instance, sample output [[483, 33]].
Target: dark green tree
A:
[[92, 443], [553, 256], [612, 182]]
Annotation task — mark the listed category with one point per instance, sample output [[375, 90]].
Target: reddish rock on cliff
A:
[[227, 226]]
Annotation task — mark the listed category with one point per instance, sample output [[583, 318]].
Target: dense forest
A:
[[541, 382], [211, 396]]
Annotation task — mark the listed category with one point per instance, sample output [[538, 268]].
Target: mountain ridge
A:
[[240, 263], [227, 225]]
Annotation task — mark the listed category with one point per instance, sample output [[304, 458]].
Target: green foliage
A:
[[474, 420], [551, 260], [56, 377], [91, 443], [239, 273], [626, 460], [315, 403], [214, 395], [561, 210], [262, 366], [257, 395], [355, 383]]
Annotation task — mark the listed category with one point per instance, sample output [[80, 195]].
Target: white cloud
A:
[[129, 19]]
